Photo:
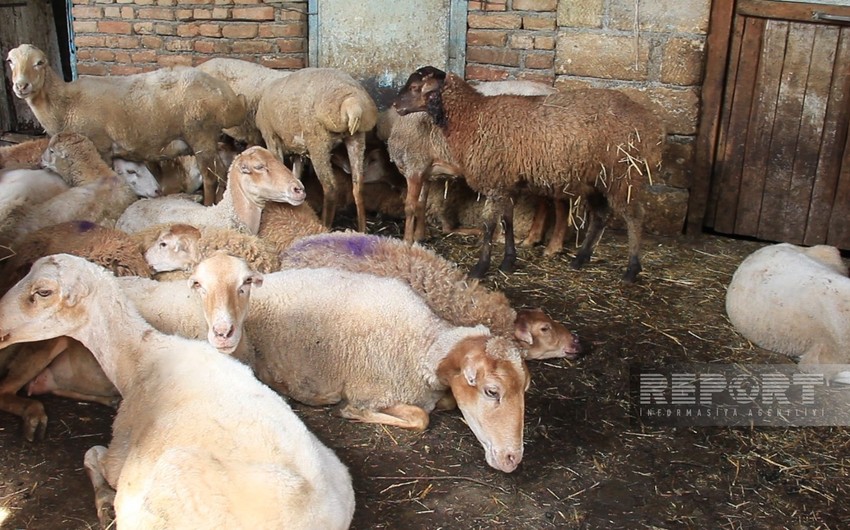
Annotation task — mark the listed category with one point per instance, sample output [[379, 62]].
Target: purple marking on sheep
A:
[[85, 226], [355, 245]]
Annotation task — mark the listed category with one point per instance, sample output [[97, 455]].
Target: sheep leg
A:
[[508, 264], [212, 170], [598, 211], [538, 223], [483, 265], [104, 494], [634, 225], [414, 190], [355, 145], [320, 155], [22, 370], [556, 240], [421, 223], [400, 415]]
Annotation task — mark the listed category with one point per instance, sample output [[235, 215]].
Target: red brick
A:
[[104, 55], [252, 46], [143, 28], [503, 57], [522, 41], [486, 38], [91, 69], [202, 14], [220, 13], [88, 26], [174, 60], [152, 43], [292, 15], [253, 13], [155, 13], [544, 43], [144, 56], [179, 45], [280, 30], [112, 12], [283, 62], [87, 12], [188, 30], [246, 2], [239, 31], [126, 43], [494, 21], [128, 12], [485, 73], [538, 23], [210, 30], [84, 55], [212, 46], [124, 69], [114, 27], [165, 29], [89, 41], [184, 14], [546, 79], [290, 45], [488, 5], [122, 57], [534, 5], [540, 61]]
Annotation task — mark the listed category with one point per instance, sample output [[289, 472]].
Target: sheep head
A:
[[45, 303], [175, 248], [543, 338], [263, 177], [29, 66], [66, 152], [224, 284], [421, 92]]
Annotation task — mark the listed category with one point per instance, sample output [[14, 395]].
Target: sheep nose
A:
[[22, 86], [224, 332]]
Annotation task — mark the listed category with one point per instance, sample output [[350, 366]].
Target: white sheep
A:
[[250, 80], [391, 362], [25, 155], [21, 188], [255, 177], [215, 432], [418, 147], [310, 111], [99, 196], [149, 116], [795, 301]]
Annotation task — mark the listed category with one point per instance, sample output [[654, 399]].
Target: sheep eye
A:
[[43, 293], [163, 244], [546, 329], [491, 393], [196, 285], [131, 171]]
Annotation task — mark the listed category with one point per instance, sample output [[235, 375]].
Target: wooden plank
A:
[[839, 228], [716, 51], [786, 127], [730, 163], [832, 146], [791, 11], [756, 148], [812, 122]]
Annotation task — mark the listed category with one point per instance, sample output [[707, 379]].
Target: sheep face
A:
[[264, 178], [174, 249], [60, 154], [45, 304], [28, 65], [420, 91], [490, 393], [138, 176], [224, 284], [544, 338]]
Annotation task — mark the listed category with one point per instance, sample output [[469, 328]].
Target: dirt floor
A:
[[588, 463]]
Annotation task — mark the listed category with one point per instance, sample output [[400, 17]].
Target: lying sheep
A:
[[25, 155], [795, 301], [222, 436], [100, 195], [255, 177], [446, 291], [391, 362], [419, 149], [23, 188], [308, 112], [249, 79], [595, 143], [182, 247], [282, 224], [149, 116]]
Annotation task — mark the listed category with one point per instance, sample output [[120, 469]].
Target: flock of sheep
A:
[[254, 290]]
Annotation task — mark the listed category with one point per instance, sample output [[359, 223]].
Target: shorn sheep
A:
[[255, 177], [795, 301], [443, 287], [594, 143], [391, 362], [310, 111], [149, 116], [216, 433]]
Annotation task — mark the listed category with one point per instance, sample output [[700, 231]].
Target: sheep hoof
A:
[[35, 422], [479, 270], [508, 266], [579, 261], [632, 271]]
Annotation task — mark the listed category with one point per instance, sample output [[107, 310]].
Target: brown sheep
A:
[[594, 143], [25, 155]]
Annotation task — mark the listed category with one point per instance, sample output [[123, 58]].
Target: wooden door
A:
[[781, 163]]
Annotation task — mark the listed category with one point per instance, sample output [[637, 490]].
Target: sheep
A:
[[308, 112], [595, 143], [22, 188], [282, 224], [417, 146], [439, 282], [138, 176], [216, 433], [182, 247], [255, 177], [148, 116], [25, 155], [390, 363], [182, 174], [795, 301], [101, 196], [249, 79]]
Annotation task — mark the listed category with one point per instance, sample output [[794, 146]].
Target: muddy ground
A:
[[588, 462]]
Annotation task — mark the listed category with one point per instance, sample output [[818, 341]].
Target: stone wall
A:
[[653, 50]]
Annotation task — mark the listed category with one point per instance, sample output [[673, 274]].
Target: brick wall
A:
[[129, 36], [651, 49]]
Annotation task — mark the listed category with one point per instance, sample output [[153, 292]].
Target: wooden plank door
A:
[[781, 167]]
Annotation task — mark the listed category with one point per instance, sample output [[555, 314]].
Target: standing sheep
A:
[[255, 176], [795, 301], [215, 433], [598, 144], [310, 111], [149, 116]]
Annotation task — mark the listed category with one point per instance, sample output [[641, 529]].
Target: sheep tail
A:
[[352, 112]]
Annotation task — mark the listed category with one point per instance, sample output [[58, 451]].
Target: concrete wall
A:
[[651, 49]]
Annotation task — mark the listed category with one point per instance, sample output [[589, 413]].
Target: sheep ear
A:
[[256, 280], [470, 373], [244, 168], [522, 332]]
